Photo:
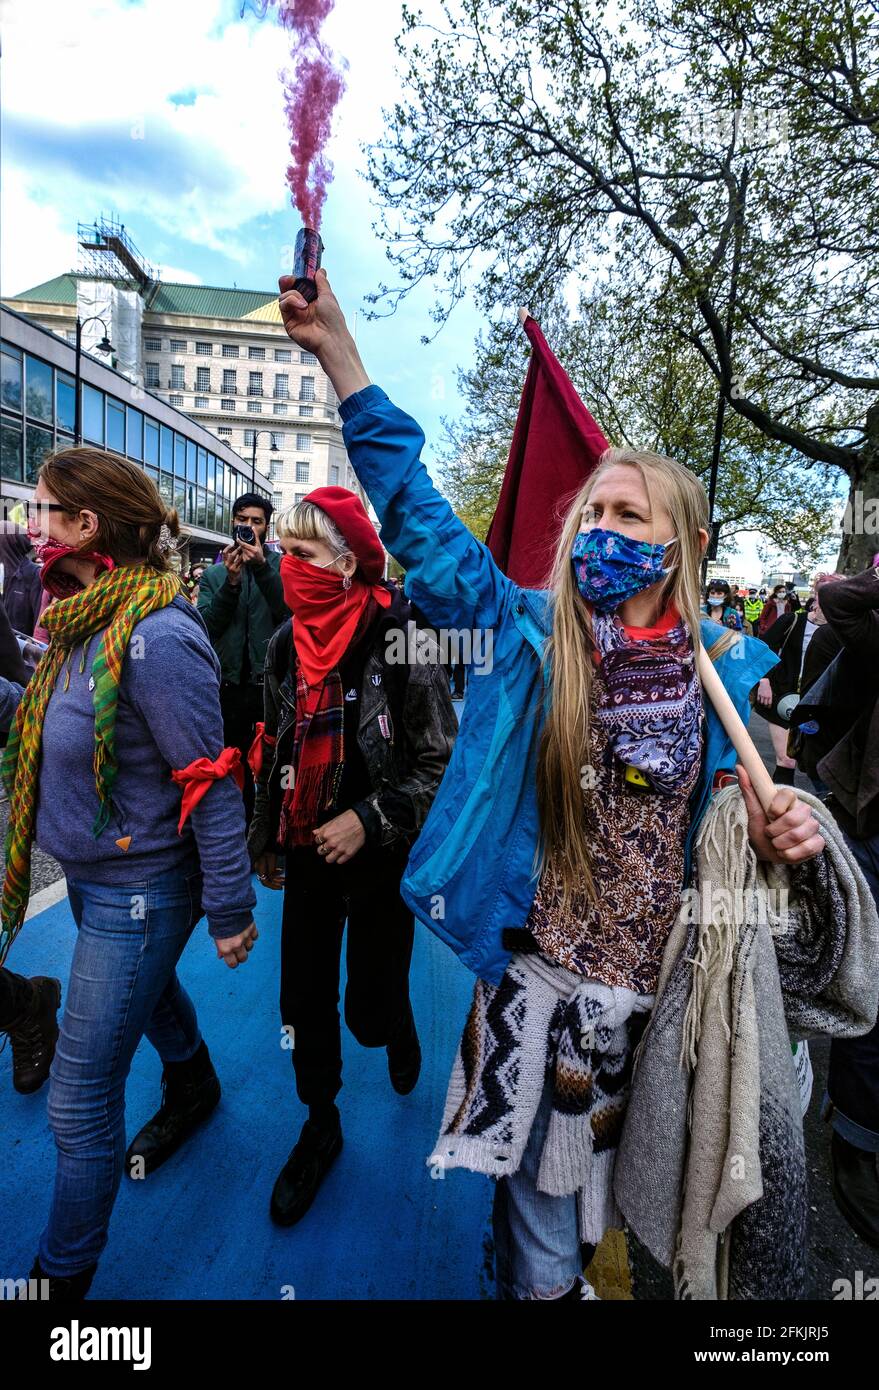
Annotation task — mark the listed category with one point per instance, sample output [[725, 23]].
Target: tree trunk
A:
[[860, 525]]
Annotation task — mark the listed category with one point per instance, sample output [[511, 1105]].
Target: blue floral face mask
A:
[[611, 567]]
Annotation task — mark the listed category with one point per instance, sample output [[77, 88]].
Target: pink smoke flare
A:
[[312, 90]]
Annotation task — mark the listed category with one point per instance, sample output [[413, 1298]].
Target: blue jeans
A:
[[536, 1236], [853, 1077], [123, 983]]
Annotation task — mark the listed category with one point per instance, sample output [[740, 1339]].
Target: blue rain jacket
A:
[[470, 874]]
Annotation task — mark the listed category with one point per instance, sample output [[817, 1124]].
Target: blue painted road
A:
[[381, 1226]]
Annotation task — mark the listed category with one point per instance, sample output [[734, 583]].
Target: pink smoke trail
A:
[[312, 89]]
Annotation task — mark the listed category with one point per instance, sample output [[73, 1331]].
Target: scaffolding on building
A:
[[108, 253]]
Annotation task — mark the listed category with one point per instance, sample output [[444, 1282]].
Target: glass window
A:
[[254, 407], [151, 375], [179, 456], [202, 467], [178, 382], [38, 380], [38, 445], [230, 381], [278, 440], [279, 408], [92, 414], [254, 387], [134, 447], [204, 349], [175, 400], [190, 504], [249, 436], [190, 460], [153, 344], [180, 496], [256, 354], [282, 386], [299, 497], [201, 403], [308, 359], [224, 431], [166, 488], [303, 443], [334, 473], [277, 500], [282, 355], [167, 453], [178, 344], [65, 402], [116, 426], [10, 381], [230, 349], [301, 471], [306, 388], [227, 405], [153, 473], [151, 442], [202, 378], [201, 516], [211, 476], [10, 450]]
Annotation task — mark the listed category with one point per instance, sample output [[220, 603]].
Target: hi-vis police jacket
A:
[[469, 875]]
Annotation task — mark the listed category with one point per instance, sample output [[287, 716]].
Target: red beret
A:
[[350, 516]]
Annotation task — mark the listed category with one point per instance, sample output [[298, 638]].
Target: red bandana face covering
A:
[[57, 582], [325, 612]]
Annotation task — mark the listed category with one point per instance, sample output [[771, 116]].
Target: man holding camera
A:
[[242, 602]]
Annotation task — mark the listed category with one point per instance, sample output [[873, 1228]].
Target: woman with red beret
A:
[[353, 749]]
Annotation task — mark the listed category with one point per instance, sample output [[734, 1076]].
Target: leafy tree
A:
[[711, 163]]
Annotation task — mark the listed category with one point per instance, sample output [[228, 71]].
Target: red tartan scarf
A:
[[318, 758]]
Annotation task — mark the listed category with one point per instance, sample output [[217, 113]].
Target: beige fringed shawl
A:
[[710, 1172]]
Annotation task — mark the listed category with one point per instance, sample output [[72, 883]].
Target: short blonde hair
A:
[[305, 521]]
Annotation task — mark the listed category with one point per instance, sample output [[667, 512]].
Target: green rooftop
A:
[[165, 297]]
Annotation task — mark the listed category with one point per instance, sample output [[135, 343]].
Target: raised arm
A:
[[449, 574]]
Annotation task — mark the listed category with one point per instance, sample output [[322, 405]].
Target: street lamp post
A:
[[256, 435], [103, 346]]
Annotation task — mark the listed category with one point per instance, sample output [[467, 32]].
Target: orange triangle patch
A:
[[124, 843]]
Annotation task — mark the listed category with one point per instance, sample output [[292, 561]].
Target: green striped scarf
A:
[[115, 602]]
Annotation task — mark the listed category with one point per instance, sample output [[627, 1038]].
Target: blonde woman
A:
[[554, 856]]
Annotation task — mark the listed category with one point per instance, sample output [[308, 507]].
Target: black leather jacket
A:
[[405, 765]]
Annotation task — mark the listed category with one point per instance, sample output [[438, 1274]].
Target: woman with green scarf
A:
[[115, 765]]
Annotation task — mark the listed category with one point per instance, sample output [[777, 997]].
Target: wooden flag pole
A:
[[729, 717]]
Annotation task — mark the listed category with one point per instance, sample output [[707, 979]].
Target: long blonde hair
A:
[[564, 750]]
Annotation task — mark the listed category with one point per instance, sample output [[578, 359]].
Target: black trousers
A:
[[15, 995], [318, 897], [242, 708]]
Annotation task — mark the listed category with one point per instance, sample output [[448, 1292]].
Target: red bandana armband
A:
[[198, 775], [255, 753]]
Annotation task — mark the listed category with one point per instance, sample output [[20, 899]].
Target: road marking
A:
[[46, 897]]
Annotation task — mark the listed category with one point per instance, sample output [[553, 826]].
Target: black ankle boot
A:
[[70, 1289], [856, 1187], [190, 1091], [298, 1181], [34, 1033], [404, 1057]]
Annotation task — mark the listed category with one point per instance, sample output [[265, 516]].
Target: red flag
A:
[[556, 445]]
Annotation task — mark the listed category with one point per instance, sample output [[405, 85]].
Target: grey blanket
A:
[[710, 1172]]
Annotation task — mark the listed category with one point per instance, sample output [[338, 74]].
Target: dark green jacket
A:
[[251, 611]]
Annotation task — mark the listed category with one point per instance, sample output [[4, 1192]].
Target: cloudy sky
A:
[[169, 114]]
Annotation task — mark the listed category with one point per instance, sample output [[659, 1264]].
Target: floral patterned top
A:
[[650, 718]]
